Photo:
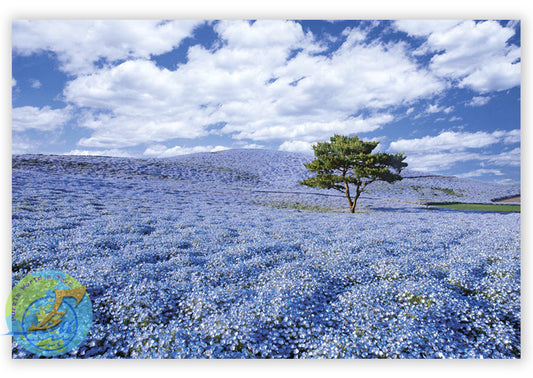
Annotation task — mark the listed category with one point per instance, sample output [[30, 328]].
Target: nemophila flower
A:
[[202, 257]]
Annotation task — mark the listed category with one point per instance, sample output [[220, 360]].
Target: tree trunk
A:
[[352, 209], [350, 203], [353, 203], [347, 192]]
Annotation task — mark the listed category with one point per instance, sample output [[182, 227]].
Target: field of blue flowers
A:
[[224, 255]]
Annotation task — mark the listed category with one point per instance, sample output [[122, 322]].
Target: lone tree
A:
[[346, 161]]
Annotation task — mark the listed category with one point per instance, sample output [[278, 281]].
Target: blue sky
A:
[[446, 93]]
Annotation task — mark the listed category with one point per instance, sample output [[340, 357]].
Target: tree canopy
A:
[[348, 161]]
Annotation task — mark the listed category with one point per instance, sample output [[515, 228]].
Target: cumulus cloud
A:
[[480, 172], [442, 152], [478, 101], [509, 137], [123, 130], [111, 152], [455, 141], [263, 34], [437, 162], [513, 24], [135, 86], [509, 158], [243, 144], [424, 28], [36, 84], [162, 151], [80, 43], [13, 82], [310, 131], [42, 119], [264, 82], [297, 146], [435, 108], [442, 161], [501, 74], [475, 54]]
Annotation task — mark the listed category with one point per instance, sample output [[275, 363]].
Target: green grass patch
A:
[[449, 192], [302, 206], [477, 206]]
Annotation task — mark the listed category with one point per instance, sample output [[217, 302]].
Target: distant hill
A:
[[254, 169]]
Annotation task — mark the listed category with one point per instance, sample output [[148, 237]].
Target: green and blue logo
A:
[[49, 313]]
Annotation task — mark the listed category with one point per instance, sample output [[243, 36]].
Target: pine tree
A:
[[348, 161]]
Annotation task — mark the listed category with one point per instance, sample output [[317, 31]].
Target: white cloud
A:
[[480, 172], [242, 144], [133, 87], [251, 86], [13, 82], [264, 81], [81, 43], [362, 75], [436, 162], [141, 103], [499, 75], [509, 158], [353, 36], [513, 24], [297, 146], [310, 131], [442, 152], [455, 118], [479, 101], [475, 54], [42, 119], [123, 130], [111, 152], [455, 141], [21, 144], [162, 151], [35, 84], [424, 28], [307, 147], [442, 161], [434, 108], [509, 137], [261, 34], [30, 141]]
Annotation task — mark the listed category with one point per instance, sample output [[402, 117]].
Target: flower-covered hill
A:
[[264, 170], [224, 255]]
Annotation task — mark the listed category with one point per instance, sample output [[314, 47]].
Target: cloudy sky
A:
[[446, 93]]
